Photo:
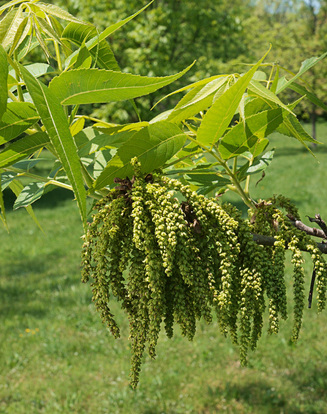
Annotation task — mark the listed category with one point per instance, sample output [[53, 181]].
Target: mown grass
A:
[[57, 357]]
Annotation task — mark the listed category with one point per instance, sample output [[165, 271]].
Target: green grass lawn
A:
[[57, 357]]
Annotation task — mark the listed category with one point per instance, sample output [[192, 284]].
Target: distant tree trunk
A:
[[313, 117]]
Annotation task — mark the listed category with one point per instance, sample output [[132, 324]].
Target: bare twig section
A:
[[269, 241], [317, 219], [312, 231]]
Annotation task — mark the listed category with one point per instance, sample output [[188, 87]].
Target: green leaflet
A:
[[190, 86], [219, 116], [18, 117], [28, 44], [84, 86], [77, 126], [56, 11], [10, 4], [23, 30], [22, 148], [306, 65], [258, 164], [83, 59], [291, 127], [111, 29], [83, 36], [36, 69], [9, 26], [16, 187], [153, 145], [257, 89], [94, 139], [255, 105], [31, 193], [56, 124], [311, 96], [198, 99], [6, 179], [47, 29], [95, 42], [78, 33], [248, 135], [274, 84], [3, 81]]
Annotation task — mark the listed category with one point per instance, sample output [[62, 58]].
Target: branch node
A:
[[317, 219]]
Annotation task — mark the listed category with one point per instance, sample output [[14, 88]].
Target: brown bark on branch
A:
[[317, 219], [269, 241], [312, 231]]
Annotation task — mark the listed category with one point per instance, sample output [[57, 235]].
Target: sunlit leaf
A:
[[77, 126], [153, 145], [219, 116], [310, 95], [56, 11], [22, 148], [9, 26], [256, 88], [84, 86], [3, 81], [201, 82], [111, 29], [9, 4], [306, 65], [246, 136], [56, 124], [93, 139], [81, 36], [21, 33], [18, 117], [198, 99]]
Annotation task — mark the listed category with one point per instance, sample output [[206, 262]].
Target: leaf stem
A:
[[73, 113], [235, 165], [95, 120], [13, 97], [58, 56], [247, 181], [270, 76], [238, 188]]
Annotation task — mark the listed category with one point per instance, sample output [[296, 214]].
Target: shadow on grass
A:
[[287, 151], [30, 285], [263, 397], [259, 395]]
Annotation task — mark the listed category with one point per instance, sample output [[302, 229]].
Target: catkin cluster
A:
[[172, 256]]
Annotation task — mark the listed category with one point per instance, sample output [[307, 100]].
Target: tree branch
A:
[[317, 219], [269, 241], [312, 231]]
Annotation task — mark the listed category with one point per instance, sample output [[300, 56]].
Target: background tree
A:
[[166, 250], [168, 37], [296, 29]]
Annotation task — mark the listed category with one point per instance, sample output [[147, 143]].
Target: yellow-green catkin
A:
[[320, 268], [172, 256], [298, 286]]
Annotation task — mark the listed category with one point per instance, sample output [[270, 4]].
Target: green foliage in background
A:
[[57, 357], [212, 141]]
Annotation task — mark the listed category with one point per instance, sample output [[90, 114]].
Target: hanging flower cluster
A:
[[172, 256]]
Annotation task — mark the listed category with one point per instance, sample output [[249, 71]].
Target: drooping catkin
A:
[[172, 256]]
